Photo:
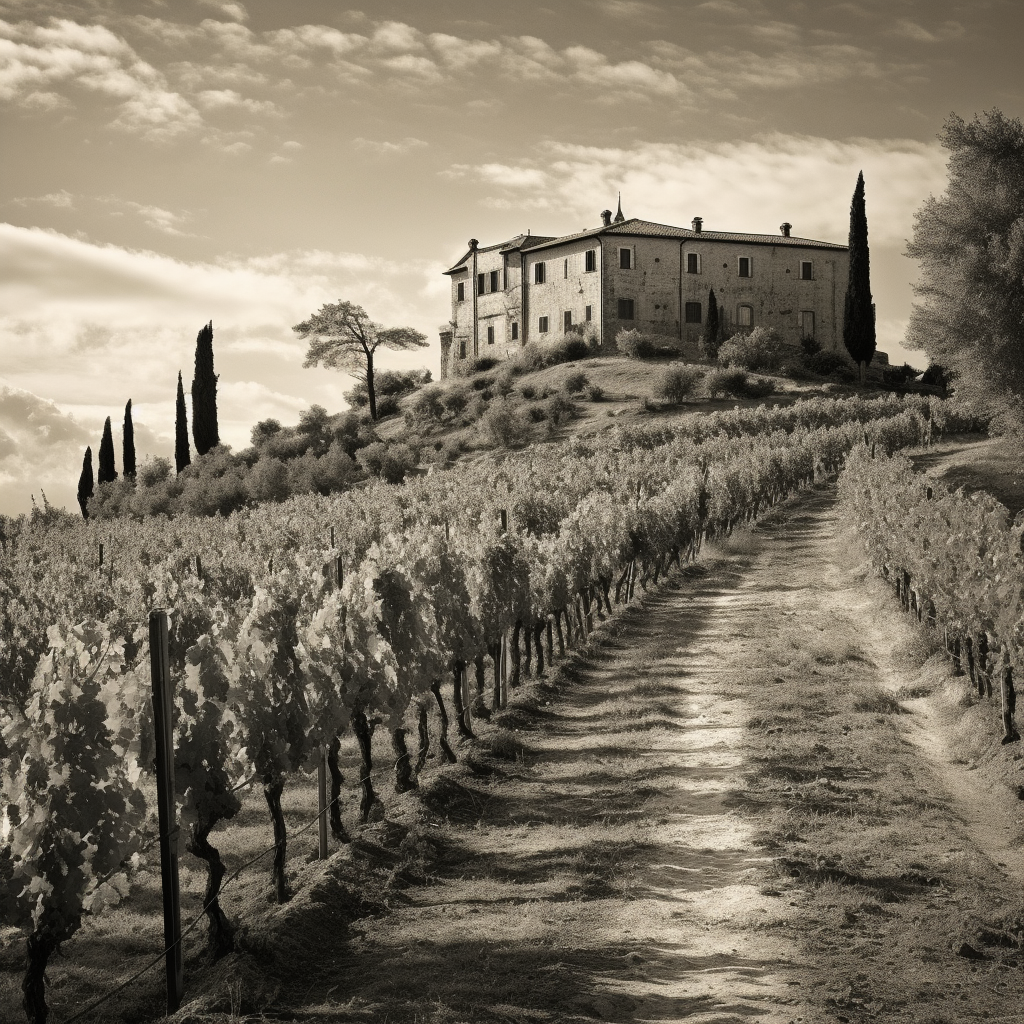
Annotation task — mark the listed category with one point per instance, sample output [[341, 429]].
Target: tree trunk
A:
[[548, 632], [1008, 697], [558, 630], [272, 790], [461, 711], [424, 734], [569, 636], [957, 668], [370, 391], [538, 641], [446, 750], [619, 585], [363, 736], [33, 985], [527, 652], [969, 645], [479, 707], [495, 652], [985, 680], [403, 766], [337, 829], [517, 630], [220, 939]]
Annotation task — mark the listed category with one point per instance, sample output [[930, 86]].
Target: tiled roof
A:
[[510, 246], [650, 229]]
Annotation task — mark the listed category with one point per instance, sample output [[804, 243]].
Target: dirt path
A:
[[714, 817]]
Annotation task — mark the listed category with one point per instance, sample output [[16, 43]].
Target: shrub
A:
[[678, 383], [560, 409], [154, 471], [505, 425], [828, 364], [387, 382], [537, 411], [387, 405], [905, 374], [760, 349], [390, 462], [595, 392], [575, 382], [454, 399], [503, 381], [810, 346], [588, 333], [475, 408], [633, 344], [570, 349], [428, 405], [735, 383], [935, 376], [530, 358], [469, 366], [527, 390]]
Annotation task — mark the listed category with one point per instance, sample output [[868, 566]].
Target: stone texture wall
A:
[[568, 287]]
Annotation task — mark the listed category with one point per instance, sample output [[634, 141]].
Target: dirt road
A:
[[725, 812]]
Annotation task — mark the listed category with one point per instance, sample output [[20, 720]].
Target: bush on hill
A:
[[387, 383], [759, 349], [678, 383]]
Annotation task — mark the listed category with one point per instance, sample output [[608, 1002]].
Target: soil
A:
[[758, 794]]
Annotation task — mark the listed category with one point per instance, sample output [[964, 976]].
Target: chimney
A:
[[698, 223], [786, 228], [606, 218], [473, 243]]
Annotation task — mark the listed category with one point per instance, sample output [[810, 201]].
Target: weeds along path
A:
[[712, 817]]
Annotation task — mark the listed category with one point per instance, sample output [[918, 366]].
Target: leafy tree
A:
[[204, 394], [343, 337], [128, 446], [709, 338], [859, 311], [85, 483], [107, 473], [970, 244], [182, 454]]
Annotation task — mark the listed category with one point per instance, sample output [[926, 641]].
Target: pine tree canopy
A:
[[182, 453], [343, 337], [85, 484], [107, 473], [128, 446], [204, 394], [969, 242], [859, 310]]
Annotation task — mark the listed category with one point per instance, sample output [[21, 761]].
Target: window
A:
[[590, 260], [542, 323], [490, 334], [481, 280], [693, 312], [806, 270], [460, 291], [538, 273], [494, 280], [515, 330], [565, 269], [745, 266], [462, 348], [567, 320], [806, 323], [588, 314], [745, 316], [625, 259], [626, 306], [693, 263]]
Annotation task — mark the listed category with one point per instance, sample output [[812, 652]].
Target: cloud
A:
[[742, 186], [157, 218], [627, 8], [228, 99], [89, 326], [62, 198], [405, 145], [235, 11], [907, 29], [40, 447]]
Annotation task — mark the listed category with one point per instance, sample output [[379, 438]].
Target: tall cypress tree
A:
[[85, 484], [107, 473], [182, 454], [859, 311], [128, 447], [204, 394], [709, 340]]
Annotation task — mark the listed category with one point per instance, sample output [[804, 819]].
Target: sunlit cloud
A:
[[907, 29], [385, 148]]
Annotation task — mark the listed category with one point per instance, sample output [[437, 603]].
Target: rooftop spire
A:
[[618, 213]]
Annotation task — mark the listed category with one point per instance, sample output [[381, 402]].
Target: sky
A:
[[165, 163]]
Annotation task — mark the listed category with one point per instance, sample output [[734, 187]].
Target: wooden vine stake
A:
[[321, 791], [159, 662]]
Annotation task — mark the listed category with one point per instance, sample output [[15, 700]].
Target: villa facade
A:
[[632, 273]]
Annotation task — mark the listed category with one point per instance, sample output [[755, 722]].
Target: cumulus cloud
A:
[[385, 148], [90, 326], [740, 186], [62, 199], [37, 59], [235, 11]]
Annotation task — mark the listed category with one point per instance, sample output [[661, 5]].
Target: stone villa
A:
[[634, 273]]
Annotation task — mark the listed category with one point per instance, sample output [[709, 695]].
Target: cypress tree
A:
[[107, 473], [204, 394], [709, 340], [859, 311], [182, 455], [128, 447], [85, 484]]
